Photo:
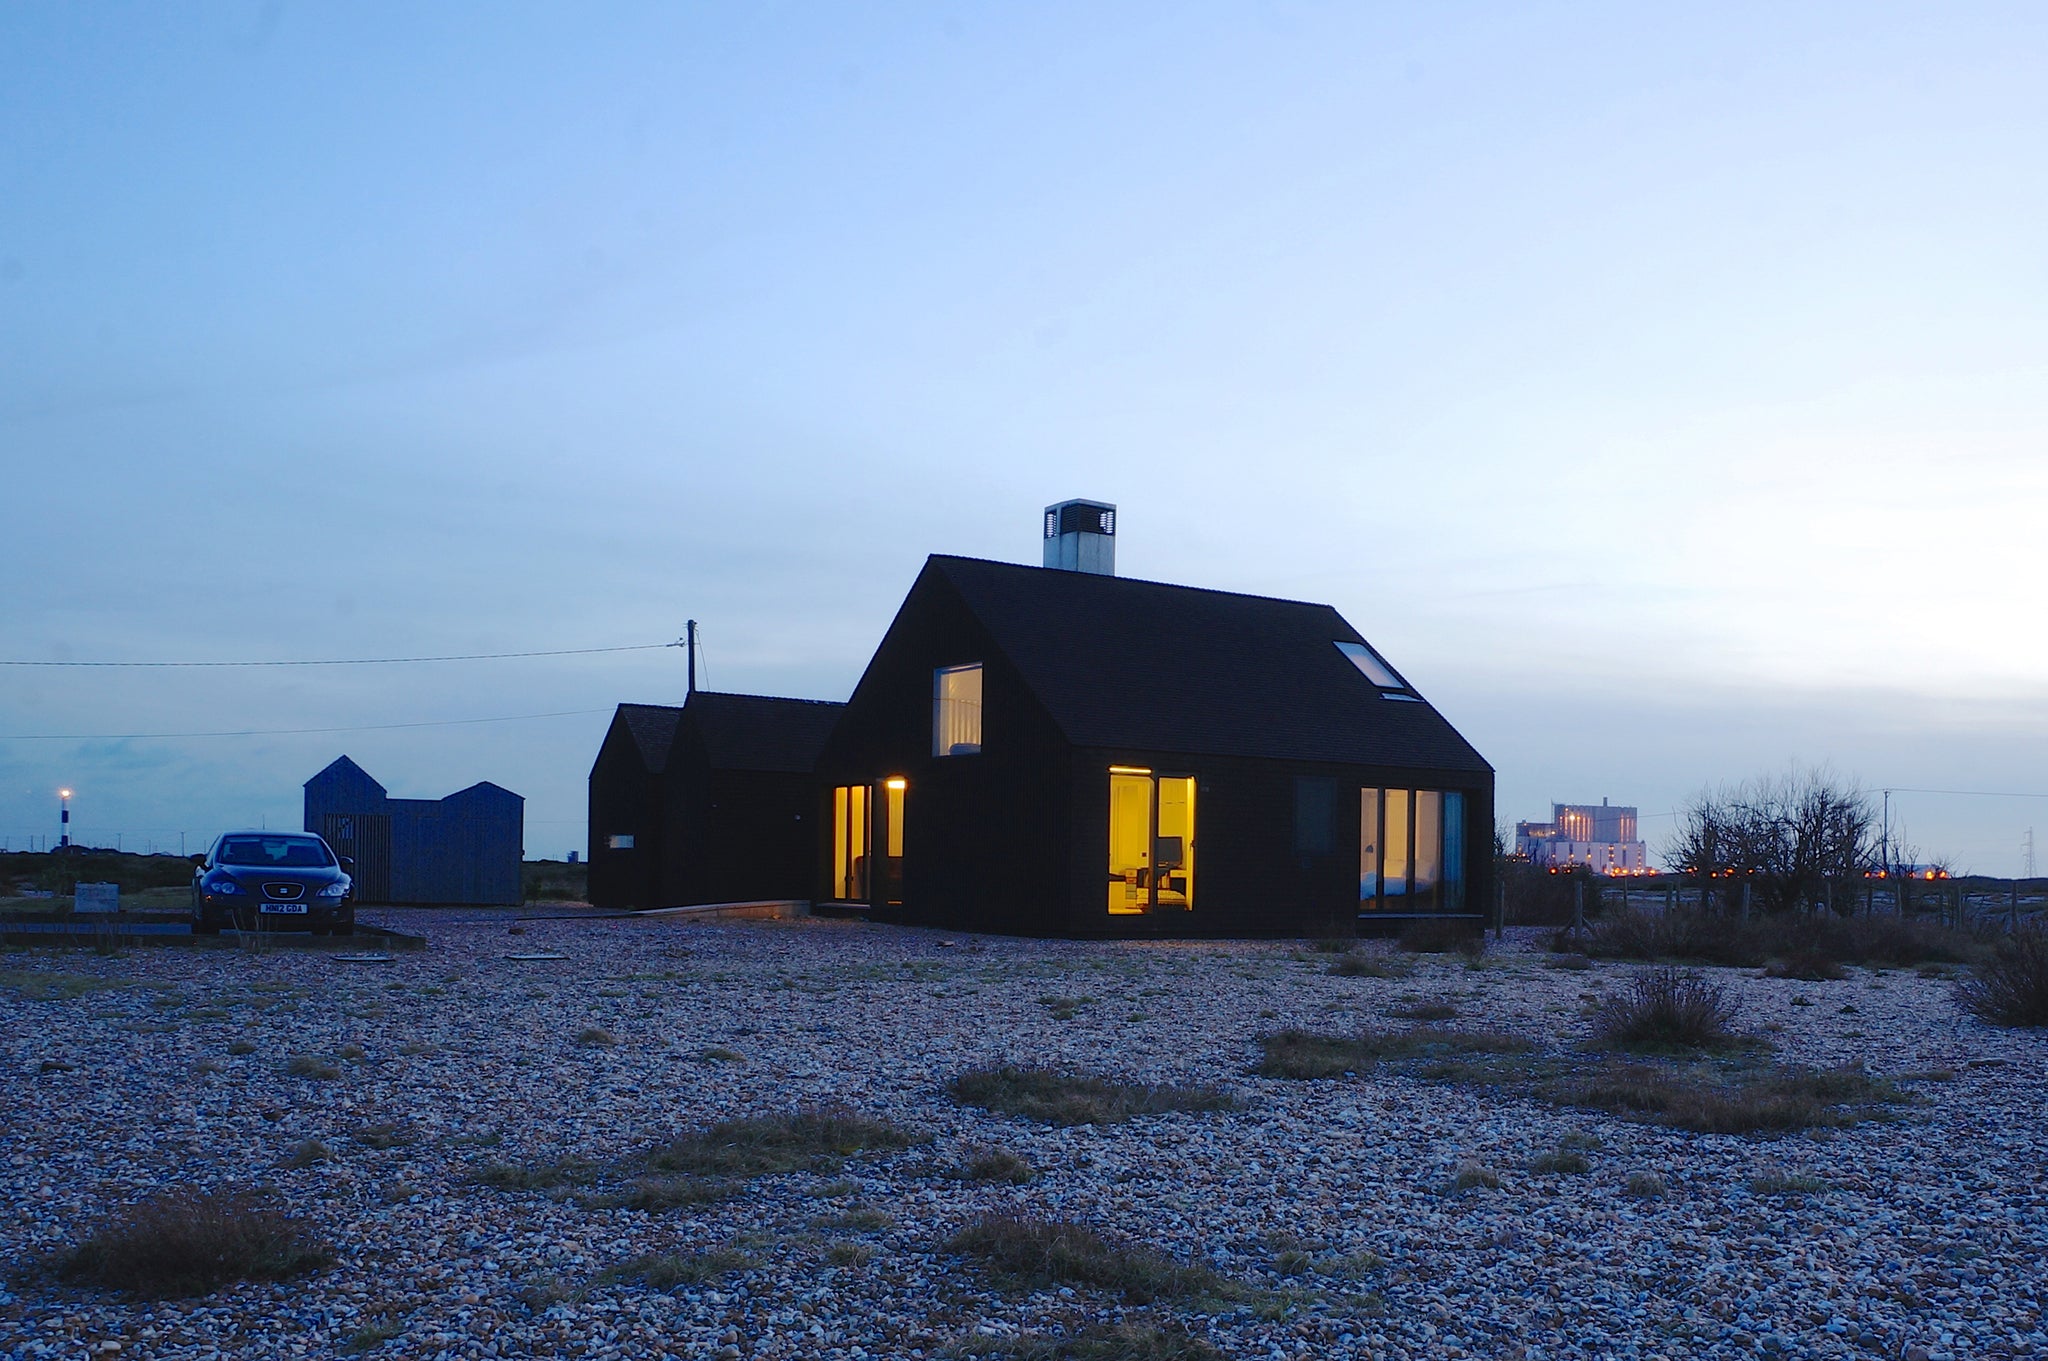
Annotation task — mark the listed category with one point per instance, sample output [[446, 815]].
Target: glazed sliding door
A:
[[1151, 841]]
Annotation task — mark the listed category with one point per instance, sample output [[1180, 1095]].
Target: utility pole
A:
[[2030, 852], [690, 643]]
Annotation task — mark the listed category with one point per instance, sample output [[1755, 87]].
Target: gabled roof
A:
[[1152, 667], [653, 730], [762, 732], [344, 773]]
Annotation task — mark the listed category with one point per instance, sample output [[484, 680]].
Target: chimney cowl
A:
[[1080, 536]]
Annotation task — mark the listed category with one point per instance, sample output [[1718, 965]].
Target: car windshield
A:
[[276, 852]]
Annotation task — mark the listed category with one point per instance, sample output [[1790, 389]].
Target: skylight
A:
[[1373, 666]]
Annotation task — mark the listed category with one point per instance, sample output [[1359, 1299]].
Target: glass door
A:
[[1151, 841]]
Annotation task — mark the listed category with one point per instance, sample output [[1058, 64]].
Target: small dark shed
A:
[[710, 801], [1067, 752], [465, 848]]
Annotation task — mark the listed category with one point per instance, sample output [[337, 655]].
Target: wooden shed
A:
[[465, 848], [709, 801]]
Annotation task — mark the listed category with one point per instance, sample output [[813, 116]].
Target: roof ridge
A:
[[779, 699], [1136, 581]]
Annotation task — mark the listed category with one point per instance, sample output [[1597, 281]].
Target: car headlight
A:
[[334, 891], [222, 885]]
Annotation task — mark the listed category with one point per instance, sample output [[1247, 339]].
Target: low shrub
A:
[[192, 1243], [1039, 1253], [308, 1066], [1711, 938], [2010, 988], [306, 1153], [596, 1037], [811, 1139], [1064, 1098], [1666, 1009], [1335, 945], [1564, 1162]]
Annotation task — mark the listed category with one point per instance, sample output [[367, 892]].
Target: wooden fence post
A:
[[1578, 905], [2012, 908], [1745, 900]]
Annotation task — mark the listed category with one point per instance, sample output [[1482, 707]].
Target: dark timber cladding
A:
[[1065, 752], [705, 802]]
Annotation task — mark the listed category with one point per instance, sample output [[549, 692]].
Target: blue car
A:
[[273, 881]]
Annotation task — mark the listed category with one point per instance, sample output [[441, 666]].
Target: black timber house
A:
[[710, 801], [1060, 751]]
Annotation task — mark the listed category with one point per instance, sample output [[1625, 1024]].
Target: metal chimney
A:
[[1080, 536]]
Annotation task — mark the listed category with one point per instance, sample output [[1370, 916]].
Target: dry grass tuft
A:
[[192, 1243], [812, 1139], [306, 1153], [666, 1271], [1130, 1340], [1039, 1253], [1784, 1099], [997, 1164], [1368, 966], [1645, 1185], [596, 1037], [308, 1066], [1305, 1054], [1423, 1011], [1063, 1098]]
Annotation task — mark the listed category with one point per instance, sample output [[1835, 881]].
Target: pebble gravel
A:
[[1330, 1202]]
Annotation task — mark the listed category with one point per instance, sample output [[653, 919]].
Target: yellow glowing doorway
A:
[[1151, 841]]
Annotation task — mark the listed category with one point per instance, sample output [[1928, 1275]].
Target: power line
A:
[[286, 732], [376, 661], [1970, 793]]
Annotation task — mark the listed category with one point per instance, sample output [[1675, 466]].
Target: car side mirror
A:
[[348, 862], [199, 860]]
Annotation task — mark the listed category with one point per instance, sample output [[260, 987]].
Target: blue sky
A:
[[1666, 392]]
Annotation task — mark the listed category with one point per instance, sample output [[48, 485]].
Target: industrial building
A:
[[465, 848], [1601, 837]]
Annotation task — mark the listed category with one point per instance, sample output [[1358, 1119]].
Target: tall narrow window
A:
[[956, 710], [1454, 851], [1368, 848], [1394, 849], [850, 843], [1428, 849]]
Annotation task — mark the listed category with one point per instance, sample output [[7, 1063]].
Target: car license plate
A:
[[298, 908]]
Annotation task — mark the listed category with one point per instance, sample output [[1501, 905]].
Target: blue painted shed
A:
[[465, 848]]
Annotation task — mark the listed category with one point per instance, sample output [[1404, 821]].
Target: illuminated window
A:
[[1411, 850], [956, 710], [1375, 669], [1151, 841], [850, 843], [619, 842]]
